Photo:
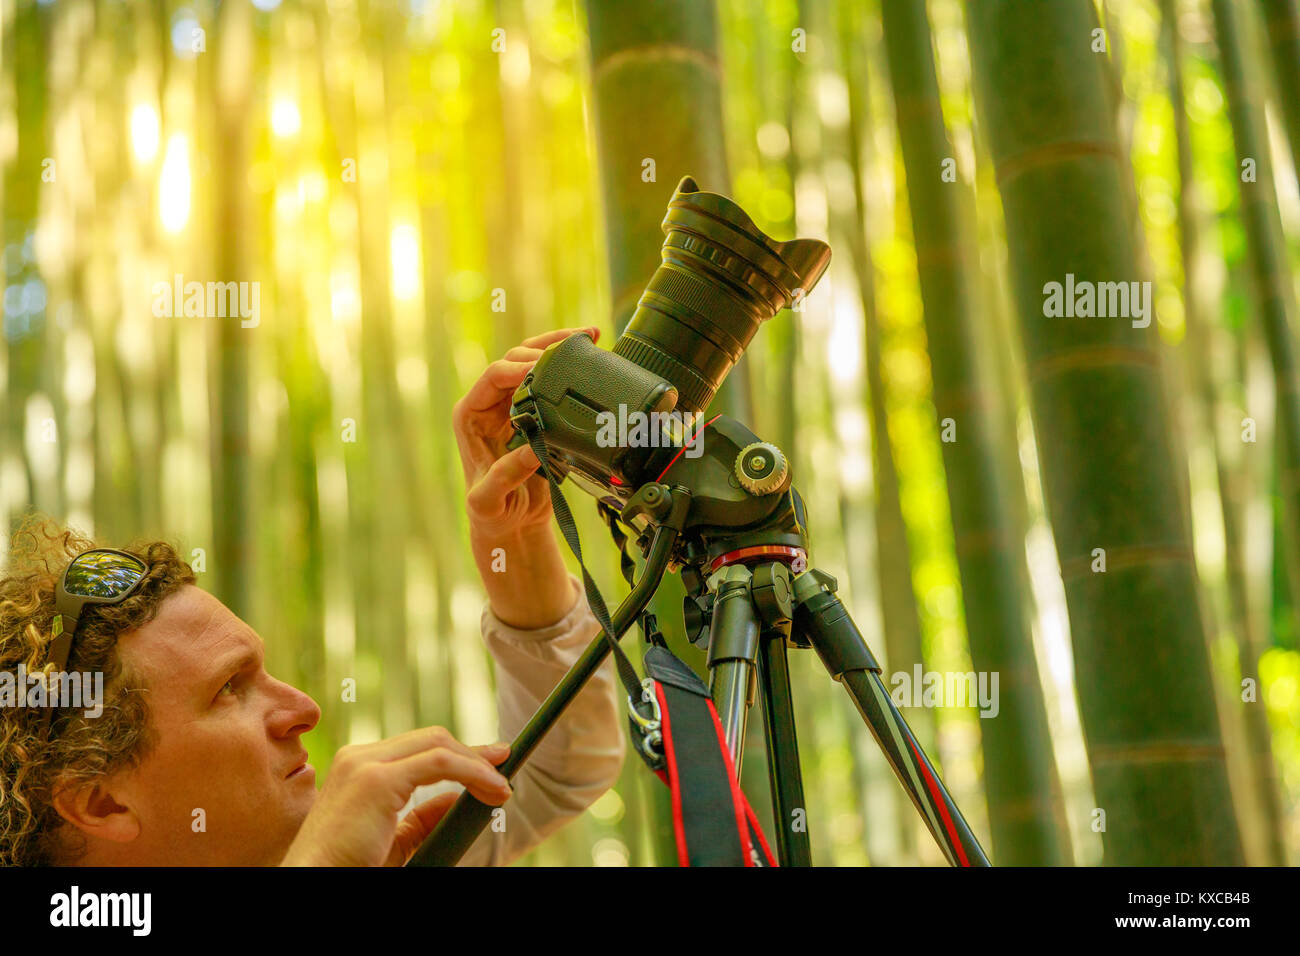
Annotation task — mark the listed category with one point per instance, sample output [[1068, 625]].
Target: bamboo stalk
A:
[[25, 53], [232, 506], [899, 615], [1267, 257], [1019, 769], [1282, 25], [1110, 477], [1244, 628]]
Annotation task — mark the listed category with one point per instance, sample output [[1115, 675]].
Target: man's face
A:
[[228, 741]]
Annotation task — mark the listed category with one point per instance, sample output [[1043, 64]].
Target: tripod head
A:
[[743, 507]]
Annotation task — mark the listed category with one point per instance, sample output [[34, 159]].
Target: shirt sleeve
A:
[[577, 760]]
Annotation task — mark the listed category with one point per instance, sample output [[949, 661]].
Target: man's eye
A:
[[228, 686]]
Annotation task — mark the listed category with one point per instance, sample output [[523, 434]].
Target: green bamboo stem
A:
[[25, 54], [1282, 25], [1245, 630], [1110, 478], [232, 507], [898, 609], [506, 198], [1267, 257], [1019, 770]]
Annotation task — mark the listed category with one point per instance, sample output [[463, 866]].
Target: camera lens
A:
[[720, 277]]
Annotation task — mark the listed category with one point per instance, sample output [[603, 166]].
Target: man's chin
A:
[[295, 818], [297, 812]]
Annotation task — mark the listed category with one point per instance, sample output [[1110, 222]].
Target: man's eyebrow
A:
[[243, 658]]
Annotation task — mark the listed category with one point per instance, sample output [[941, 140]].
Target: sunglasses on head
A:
[[100, 576]]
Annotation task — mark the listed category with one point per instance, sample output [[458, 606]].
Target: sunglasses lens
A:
[[103, 574]]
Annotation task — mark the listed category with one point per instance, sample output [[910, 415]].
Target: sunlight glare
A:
[[145, 133], [285, 118], [404, 248], [174, 186]]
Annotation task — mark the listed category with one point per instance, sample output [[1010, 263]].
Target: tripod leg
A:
[[789, 810], [822, 618], [733, 651], [914, 770]]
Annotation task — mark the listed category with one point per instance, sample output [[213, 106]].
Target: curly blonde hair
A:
[[79, 750]]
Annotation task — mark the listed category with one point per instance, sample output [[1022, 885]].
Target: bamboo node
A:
[[1091, 357], [1051, 153], [1155, 751]]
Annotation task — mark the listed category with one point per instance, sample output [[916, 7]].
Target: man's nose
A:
[[296, 712]]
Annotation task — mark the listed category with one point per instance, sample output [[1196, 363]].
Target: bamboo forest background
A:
[[417, 186]]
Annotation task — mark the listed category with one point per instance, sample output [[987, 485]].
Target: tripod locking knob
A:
[[761, 468]]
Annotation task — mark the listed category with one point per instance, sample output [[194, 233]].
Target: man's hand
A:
[[354, 821], [507, 499]]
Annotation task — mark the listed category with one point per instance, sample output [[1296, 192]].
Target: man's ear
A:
[[98, 809]]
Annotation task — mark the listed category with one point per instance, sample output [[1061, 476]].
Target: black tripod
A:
[[733, 525]]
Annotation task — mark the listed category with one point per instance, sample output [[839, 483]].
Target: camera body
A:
[[574, 393]]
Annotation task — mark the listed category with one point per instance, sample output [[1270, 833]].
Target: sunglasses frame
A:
[[68, 609]]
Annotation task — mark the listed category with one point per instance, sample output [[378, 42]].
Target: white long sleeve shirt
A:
[[577, 760]]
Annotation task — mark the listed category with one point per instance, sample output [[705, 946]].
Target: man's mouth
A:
[[298, 770]]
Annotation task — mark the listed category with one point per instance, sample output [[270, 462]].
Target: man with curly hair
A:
[[193, 727]]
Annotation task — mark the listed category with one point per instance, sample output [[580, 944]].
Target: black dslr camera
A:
[[613, 420]]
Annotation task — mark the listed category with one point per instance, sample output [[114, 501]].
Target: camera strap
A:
[[713, 823], [674, 724], [569, 528]]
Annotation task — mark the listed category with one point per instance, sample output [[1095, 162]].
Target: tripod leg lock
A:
[[840, 644]]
